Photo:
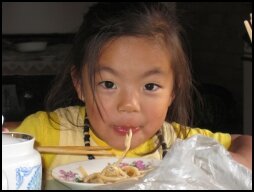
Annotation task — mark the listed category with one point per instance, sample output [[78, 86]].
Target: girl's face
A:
[[133, 89]]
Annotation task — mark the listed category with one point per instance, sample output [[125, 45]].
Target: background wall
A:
[[217, 39], [42, 17]]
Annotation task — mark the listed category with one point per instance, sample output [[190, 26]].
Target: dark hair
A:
[[107, 21]]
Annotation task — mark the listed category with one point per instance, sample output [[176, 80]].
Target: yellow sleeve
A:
[[43, 130], [222, 138]]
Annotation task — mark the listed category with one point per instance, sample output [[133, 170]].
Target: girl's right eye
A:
[[108, 85]]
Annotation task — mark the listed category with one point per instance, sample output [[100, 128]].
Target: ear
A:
[[76, 82]]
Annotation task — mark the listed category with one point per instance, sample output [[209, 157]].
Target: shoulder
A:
[[41, 124], [71, 111], [33, 120], [222, 138], [69, 116], [168, 133]]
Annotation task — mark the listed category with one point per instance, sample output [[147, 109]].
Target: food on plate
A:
[[118, 171]]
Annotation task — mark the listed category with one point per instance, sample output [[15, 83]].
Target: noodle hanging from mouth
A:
[[113, 173]]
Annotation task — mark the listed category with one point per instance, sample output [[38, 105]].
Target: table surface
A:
[[55, 185]]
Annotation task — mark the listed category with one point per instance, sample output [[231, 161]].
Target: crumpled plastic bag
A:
[[198, 162]]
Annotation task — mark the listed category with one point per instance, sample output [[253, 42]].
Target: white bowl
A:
[[31, 46]]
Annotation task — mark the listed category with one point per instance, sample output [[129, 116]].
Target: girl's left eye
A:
[[152, 87], [108, 85]]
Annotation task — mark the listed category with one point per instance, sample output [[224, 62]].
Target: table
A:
[[55, 185]]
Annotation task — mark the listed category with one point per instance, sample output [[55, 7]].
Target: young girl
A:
[[127, 70]]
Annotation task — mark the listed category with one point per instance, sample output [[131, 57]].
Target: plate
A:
[[70, 173]]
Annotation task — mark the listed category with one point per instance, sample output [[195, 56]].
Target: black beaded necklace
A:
[[87, 135], [87, 138], [162, 142]]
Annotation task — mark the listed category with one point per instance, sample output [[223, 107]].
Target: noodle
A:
[[113, 173]]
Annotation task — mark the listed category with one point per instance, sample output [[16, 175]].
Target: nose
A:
[[128, 102]]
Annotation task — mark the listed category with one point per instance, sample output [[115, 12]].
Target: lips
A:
[[123, 130]]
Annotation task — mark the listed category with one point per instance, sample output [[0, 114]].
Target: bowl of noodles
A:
[[103, 171]]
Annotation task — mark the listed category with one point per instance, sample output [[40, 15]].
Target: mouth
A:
[[123, 130]]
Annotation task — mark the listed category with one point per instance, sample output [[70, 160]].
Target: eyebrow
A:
[[107, 69], [155, 71]]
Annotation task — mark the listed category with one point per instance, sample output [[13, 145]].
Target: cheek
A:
[[158, 114], [158, 111]]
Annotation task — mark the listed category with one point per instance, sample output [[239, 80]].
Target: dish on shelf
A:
[[32, 46]]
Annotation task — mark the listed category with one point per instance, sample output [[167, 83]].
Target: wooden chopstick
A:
[[248, 26], [88, 148], [76, 150], [249, 29]]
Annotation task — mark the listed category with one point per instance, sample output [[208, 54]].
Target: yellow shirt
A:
[[63, 131]]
